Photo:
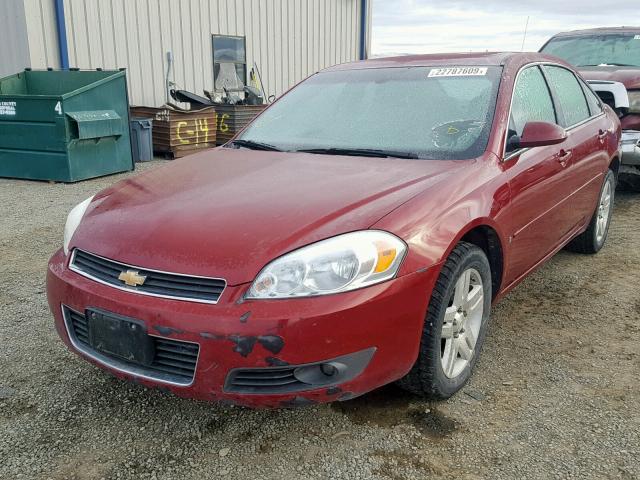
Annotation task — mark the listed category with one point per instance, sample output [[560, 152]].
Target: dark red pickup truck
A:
[[609, 54]]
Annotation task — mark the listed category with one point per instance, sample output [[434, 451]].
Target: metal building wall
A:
[[41, 29], [15, 45], [289, 39]]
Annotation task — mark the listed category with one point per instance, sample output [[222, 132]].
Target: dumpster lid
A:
[[97, 123]]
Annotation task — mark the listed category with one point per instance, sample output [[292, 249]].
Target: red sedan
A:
[[355, 234]]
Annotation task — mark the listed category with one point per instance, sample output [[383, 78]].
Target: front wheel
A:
[[455, 325], [593, 238]]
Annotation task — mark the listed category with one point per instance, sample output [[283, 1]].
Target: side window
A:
[[531, 101], [595, 106], [569, 93]]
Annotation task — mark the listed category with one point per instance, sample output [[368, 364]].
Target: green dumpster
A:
[[64, 125]]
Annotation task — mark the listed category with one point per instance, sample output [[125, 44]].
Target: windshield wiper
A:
[[254, 145], [360, 152]]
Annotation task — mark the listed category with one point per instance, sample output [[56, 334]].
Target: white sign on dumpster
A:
[[7, 108]]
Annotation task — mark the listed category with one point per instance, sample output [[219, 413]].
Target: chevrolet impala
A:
[[356, 233]]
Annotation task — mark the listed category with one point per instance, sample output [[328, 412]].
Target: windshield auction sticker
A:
[[458, 72], [8, 108]]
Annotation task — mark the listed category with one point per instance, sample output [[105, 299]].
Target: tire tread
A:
[[421, 378], [586, 241]]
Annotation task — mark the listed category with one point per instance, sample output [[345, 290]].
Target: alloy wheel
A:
[[604, 210], [462, 322]]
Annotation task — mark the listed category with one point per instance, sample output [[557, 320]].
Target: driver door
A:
[[538, 216]]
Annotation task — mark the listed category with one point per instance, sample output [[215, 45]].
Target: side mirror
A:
[[538, 134]]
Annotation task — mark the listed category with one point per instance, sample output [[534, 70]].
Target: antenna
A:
[[524, 37]]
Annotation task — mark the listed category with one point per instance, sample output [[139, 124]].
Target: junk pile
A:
[[209, 120], [178, 132], [233, 112]]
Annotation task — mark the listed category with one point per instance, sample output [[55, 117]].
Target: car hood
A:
[[630, 77], [226, 213]]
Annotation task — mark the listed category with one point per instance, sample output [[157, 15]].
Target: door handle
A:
[[564, 156]]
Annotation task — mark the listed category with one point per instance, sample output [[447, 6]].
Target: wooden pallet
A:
[[230, 119], [177, 133]]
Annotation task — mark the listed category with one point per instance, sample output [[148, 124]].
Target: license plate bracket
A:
[[120, 336]]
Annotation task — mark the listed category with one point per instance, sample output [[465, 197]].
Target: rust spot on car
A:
[[273, 343], [244, 345], [166, 330], [211, 336], [276, 362]]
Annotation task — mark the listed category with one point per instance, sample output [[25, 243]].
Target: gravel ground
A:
[[555, 394]]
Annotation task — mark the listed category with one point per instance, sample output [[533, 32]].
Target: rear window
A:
[[434, 112]]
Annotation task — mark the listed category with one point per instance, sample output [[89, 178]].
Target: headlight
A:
[[634, 101], [338, 264], [73, 220]]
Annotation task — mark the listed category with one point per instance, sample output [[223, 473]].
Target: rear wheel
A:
[[593, 238], [455, 325]]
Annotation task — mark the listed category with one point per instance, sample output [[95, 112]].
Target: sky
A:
[[427, 26]]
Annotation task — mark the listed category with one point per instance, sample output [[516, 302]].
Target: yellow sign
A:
[[220, 125], [199, 132]]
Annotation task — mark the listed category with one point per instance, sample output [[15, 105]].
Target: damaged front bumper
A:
[[257, 353]]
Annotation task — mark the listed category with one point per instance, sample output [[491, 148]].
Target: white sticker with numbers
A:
[[637, 37], [458, 72]]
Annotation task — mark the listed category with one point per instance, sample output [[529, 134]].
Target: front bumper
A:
[[631, 147], [385, 320]]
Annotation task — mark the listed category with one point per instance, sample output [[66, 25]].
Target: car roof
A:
[[445, 59], [599, 30]]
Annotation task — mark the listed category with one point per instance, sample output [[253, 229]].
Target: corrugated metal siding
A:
[[15, 45], [289, 39], [41, 28]]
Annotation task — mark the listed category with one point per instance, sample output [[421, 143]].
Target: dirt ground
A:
[[555, 394]]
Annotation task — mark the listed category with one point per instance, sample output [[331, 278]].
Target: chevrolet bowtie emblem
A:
[[132, 278]]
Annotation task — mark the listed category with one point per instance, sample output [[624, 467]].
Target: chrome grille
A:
[[156, 283]]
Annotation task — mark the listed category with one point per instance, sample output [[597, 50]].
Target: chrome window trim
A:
[[120, 366], [130, 290], [520, 151]]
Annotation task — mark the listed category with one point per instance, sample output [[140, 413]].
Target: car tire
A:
[[593, 238], [441, 368]]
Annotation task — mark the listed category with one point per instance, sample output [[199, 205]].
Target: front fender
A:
[[433, 222]]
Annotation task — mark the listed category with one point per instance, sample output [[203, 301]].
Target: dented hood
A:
[[226, 213]]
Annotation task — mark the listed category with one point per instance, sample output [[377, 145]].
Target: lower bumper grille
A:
[[259, 380], [296, 378], [173, 362]]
